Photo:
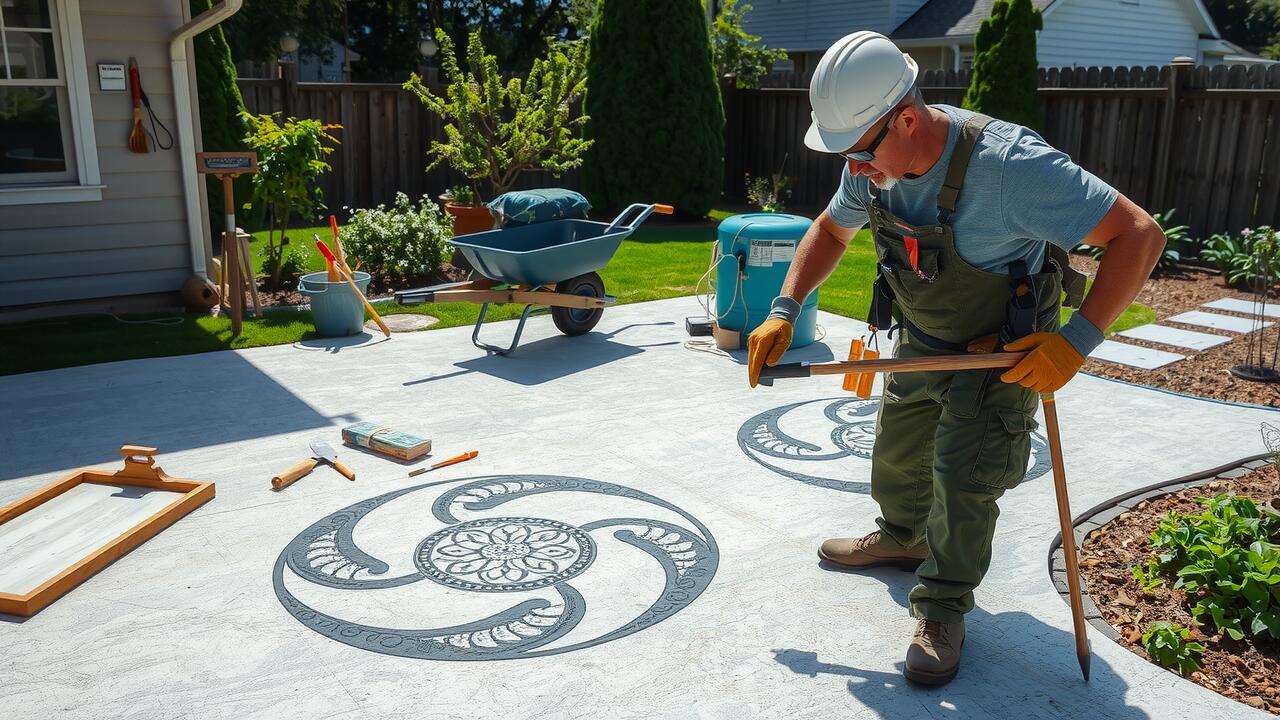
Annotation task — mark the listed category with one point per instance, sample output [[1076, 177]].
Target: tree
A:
[[1252, 24], [496, 131], [254, 32], [385, 34], [220, 108], [737, 52], [1006, 74], [655, 109]]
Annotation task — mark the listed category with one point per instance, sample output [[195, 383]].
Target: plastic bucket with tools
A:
[[336, 309]]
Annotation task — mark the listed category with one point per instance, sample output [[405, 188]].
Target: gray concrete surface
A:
[[636, 539]]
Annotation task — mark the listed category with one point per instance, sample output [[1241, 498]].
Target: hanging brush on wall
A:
[[138, 136]]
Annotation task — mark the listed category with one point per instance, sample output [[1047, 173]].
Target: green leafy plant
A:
[[736, 52], [1005, 72], [1226, 560], [770, 194], [496, 131], [1170, 646], [293, 264], [461, 195], [405, 240], [1176, 242], [1252, 258], [290, 158]]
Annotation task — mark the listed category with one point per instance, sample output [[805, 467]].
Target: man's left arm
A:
[[1134, 243]]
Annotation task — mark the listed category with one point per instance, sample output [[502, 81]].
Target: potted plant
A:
[[469, 215], [496, 130]]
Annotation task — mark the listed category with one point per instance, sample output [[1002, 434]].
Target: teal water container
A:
[[756, 251], [335, 307]]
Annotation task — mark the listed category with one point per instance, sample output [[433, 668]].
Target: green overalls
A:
[[949, 444]]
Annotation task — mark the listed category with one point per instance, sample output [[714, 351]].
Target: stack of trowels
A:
[[320, 450]]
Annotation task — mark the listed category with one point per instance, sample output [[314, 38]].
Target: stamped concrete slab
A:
[[1189, 339], [1133, 355], [403, 322], [1247, 307], [612, 473], [1219, 322]]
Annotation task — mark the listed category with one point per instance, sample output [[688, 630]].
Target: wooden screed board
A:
[[57, 537]]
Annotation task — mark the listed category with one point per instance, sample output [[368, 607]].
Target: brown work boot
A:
[[870, 551], [934, 655]]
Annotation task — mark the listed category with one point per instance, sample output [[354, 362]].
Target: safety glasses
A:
[[868, 153]]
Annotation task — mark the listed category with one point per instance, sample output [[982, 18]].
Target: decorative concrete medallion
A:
[[510, 585], [828, 443]]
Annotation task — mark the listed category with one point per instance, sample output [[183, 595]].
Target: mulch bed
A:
[[1248, 670], [1203, 374]]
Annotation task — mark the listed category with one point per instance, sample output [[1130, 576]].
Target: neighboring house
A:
[[311, 68], [940, 33], [81, 217]]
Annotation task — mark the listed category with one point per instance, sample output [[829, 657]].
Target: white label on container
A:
[[767, 252]]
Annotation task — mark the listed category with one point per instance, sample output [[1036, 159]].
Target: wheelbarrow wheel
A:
[[577, 321]]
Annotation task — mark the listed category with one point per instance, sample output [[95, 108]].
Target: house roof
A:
[[961, 18], [950, 18]]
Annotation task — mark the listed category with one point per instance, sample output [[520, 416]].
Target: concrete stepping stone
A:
[[1133, 355], [1189, 339], [402, 322], [1219, 322], [1247, 307]]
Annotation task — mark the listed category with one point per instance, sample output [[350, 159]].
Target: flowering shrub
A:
[[770, 194], [405, 240]]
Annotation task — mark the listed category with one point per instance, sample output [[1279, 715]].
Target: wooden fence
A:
[[1203, 140], [384, 139]]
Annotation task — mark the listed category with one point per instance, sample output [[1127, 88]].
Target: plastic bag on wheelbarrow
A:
[[528, 207]]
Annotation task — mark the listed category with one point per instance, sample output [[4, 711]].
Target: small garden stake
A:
[[976, 361]]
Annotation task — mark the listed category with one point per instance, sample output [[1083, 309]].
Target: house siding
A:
[[1112, 33], [134, 241], [903, 9], [800, 25]]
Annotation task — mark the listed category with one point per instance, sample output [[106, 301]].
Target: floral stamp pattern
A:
[[505, 554]]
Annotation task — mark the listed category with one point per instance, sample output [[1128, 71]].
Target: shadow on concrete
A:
[[60, 421], [1010, 660], [335, 345], [551, 358]]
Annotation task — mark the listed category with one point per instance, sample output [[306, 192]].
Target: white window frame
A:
[[87, 185]]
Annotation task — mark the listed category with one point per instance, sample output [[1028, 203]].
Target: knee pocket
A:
[[1006, 445]]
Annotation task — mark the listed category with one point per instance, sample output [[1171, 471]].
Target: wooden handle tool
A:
[[287, 477], [977, 361], [346, 275]]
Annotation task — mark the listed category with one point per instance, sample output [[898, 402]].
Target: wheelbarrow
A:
[[547, 265]]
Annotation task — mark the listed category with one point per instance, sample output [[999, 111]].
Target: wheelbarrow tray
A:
[[542, 254]]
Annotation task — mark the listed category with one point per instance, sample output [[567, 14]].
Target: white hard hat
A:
[[858, 81]]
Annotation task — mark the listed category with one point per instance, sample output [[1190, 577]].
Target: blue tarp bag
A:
[[529, 207]]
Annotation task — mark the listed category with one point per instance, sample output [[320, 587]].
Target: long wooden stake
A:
[[1068, 532], [977, 361]]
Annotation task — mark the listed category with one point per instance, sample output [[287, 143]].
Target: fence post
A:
[[1179, 76], [289, 88]]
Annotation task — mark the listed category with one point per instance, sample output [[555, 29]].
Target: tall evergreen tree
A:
[[655, 109], [1005, 72], [220, 108]]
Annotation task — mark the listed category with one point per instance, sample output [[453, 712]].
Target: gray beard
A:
[[886, 184]]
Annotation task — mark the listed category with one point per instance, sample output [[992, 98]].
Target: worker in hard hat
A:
[[971, 218]]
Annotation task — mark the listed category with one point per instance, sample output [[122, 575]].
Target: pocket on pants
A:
[[1006, 447]]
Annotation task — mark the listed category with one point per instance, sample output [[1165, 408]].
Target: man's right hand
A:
[[765, 346]]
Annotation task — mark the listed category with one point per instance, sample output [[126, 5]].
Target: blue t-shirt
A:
[[1018, 191]]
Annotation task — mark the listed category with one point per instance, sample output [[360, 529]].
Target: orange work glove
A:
[[1051, 362], [765, 345]]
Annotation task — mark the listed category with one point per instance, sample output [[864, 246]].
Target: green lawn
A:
[[656, 262]]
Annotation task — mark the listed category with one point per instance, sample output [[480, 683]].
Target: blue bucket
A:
[[336, 309], [762, 245]]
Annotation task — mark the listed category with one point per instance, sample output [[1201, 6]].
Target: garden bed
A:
[[1203, 374], [1248, 670]]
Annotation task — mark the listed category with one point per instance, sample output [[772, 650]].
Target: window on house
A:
[[966, 59], [35, 124]]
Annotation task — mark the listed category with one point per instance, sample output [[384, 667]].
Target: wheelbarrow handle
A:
[[643, 211]]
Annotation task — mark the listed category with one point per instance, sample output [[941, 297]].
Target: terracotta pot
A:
[[469, 219]]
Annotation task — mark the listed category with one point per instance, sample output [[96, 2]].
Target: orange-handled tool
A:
[[664, 209], [346, 275], [451, 461]]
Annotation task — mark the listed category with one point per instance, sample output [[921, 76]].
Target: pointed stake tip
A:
[[1084, 665]]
